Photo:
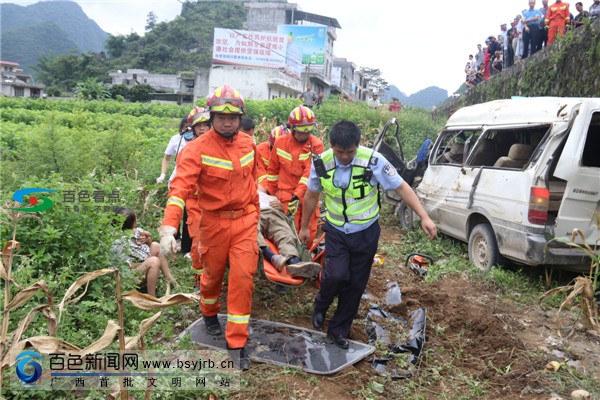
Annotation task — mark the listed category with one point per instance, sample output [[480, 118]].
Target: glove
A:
[[160, 179], [167, 239], [293, 205]]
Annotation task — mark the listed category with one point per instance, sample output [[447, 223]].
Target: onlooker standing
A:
[[581, 17], [479, 55], [493, 47], [374, 102], [543, 37], [518, 40], [486, 60], [309, 97], [247, 126], [510, 51], [595, 10], [504, 35], [531, 30], [557, 17]]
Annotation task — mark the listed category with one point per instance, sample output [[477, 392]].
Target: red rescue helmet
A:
[[277, 132], [226, 100], [302, 119], [198, 115]]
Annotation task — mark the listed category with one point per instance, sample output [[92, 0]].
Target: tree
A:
[[151, 20], [91, 89], [374, 76], [115, 45], [141, 93], [119, 90]]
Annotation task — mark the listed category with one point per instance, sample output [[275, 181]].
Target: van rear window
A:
[[591, 150]]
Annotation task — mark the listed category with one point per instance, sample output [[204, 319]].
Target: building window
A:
[[19, 92]]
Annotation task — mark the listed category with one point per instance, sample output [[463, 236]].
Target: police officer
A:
[[349, 174]]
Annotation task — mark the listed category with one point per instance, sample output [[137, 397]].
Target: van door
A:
[[440, 192], [579, 166]]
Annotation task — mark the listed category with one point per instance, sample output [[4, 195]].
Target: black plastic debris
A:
[[413, 346]]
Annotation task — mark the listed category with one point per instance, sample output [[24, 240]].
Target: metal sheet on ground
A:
[[287, 345]]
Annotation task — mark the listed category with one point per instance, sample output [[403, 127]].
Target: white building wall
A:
[[255, 83]]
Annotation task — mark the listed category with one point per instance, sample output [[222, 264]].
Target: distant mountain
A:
[[426, 98], [47, 27], [392, 92]]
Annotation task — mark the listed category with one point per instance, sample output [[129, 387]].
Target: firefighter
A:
[[289, 165], [557, 17], [221, 165], [200, 124], [264, 152]]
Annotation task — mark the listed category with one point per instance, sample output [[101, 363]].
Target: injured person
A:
[[275, 226]]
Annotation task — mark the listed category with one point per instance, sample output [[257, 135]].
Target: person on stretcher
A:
[[274, 226]]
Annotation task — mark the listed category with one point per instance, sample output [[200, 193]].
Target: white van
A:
[[507, 176]]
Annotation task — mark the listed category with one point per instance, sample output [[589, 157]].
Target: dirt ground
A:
[[474, 334]]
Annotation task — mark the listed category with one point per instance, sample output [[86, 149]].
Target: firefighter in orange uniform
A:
[[264, 152], [289, 165], [557, 17], [200, 123], [221, 165]]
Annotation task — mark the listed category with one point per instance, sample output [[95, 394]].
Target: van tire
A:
[[406, 216], [483, 247]]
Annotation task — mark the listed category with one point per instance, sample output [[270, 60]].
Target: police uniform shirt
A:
[[384, 174]]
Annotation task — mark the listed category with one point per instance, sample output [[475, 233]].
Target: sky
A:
[[414, 45]]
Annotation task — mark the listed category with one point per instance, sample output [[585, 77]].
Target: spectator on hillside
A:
[[471, 81], [518, 40], [503, 40], [493, 47], [480, 73], [497, 63], [595, 10], [531, 30], [479, 55], [472, 63], [581, 17], [510, 52], [486, 60], [543, 36]]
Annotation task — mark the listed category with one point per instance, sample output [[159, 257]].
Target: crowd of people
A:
[[237, 194], [529, 32]]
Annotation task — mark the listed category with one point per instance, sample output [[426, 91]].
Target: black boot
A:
[[212, 325], [240, 358]]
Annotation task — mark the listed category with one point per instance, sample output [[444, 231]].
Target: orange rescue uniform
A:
[[288, 172], [557, 17], [224, 172], [262, 160]]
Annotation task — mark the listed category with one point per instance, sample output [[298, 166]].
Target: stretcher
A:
[[316, 254]]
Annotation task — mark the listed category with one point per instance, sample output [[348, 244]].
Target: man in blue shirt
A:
[[350, 176], [531, 30]]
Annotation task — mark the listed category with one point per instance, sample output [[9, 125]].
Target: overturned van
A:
[[508, 176]]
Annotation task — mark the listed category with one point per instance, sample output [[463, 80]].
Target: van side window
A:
[[592, 144], [507, 148], [454, 146]]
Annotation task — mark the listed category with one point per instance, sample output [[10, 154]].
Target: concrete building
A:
[[179, 88], [342, 78], [15, 83]]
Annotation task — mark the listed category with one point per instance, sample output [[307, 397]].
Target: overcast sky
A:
[[414, 45]]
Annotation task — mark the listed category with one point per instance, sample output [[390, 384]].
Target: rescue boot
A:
[[304, 269], [240, 358], [212, 325]]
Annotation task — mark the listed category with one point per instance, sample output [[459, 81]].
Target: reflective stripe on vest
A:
[[359, 202]]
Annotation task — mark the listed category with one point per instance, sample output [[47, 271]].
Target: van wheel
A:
[[406, 216], [483, 248]]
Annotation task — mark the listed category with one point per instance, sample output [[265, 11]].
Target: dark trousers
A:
[[348, 261], [531, 41], [542, 39], [186, 240]]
